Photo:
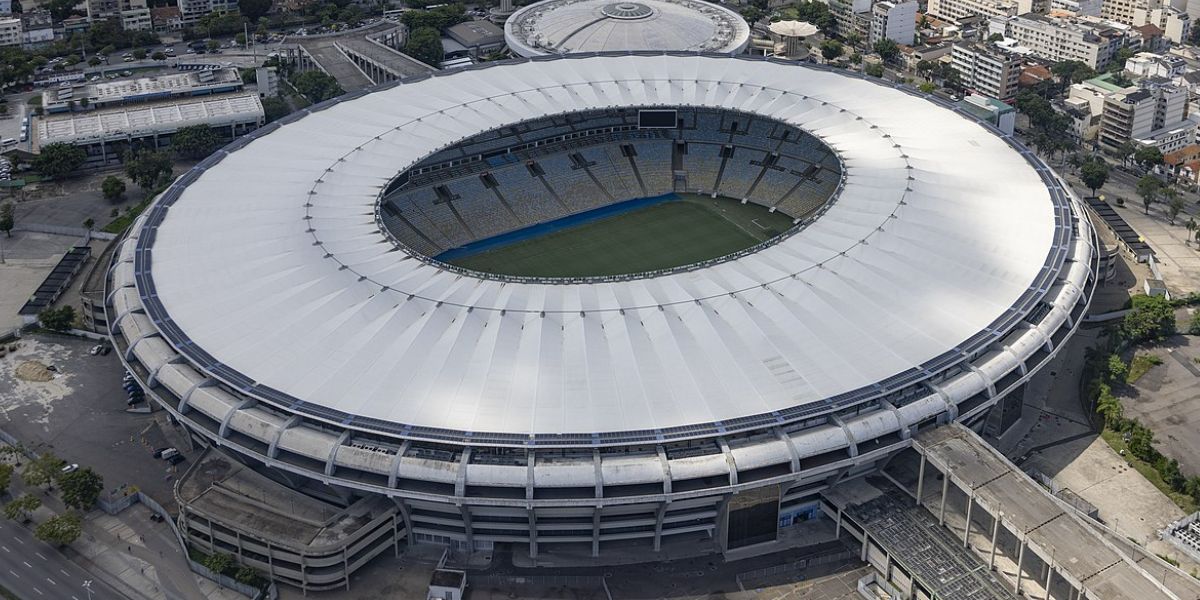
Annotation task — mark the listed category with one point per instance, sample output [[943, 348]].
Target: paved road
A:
[[34, 570]]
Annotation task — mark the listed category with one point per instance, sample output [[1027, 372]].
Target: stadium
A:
[[596, 305]]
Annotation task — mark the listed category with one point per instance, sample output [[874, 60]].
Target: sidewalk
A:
[[134, 555]]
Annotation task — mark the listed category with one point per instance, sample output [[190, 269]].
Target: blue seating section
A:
[[803, 177]]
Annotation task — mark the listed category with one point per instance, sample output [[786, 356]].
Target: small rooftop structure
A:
[[799, 29]]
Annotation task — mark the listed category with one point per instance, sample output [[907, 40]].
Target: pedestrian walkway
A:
[[137, 557]]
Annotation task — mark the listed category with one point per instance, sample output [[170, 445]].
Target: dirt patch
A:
[[31, 370]]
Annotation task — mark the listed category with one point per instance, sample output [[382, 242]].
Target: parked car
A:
[[175, 459], [71, 468]]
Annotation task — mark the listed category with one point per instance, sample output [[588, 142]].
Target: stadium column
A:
[[658, 525], [967, 529], [1020, 559], [995, 539], [533, 537], [945, 491], [921, 479]]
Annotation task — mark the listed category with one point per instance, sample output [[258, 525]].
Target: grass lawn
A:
[[1141, 364], [119, 224], [1186, 502], [674, 233]]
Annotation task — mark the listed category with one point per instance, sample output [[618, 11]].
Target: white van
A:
[[8, 142]]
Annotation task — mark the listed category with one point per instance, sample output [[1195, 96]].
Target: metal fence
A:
[[791, 570], [70, 231]]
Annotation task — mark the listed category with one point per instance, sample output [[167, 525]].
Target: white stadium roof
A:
[[270, 271], [565, 26]]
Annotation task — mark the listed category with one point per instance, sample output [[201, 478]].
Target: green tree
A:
[[818, 14], [1094, 173], [81, 488], [927, 87], [1141, 442], [109, 49], [59, 160], [1151, 317], [6, 473], [7, 218], [925, 67], [1190, 225], [425, 45], [113, 188], [886, 49], [1117, 369], [158, 55], [873, 70], [240, 39], [247, 575], [253, 9], [60, 9], [43, 469], [1148, 187], [1072, 71], [316, 86], [57, 319], [60, 530], [217, 562], [996, 37], [437, 18], [148, 168], [21, 508], [275, 108], [1109, 406], [831, 49], [1174, 205], [1148, 157], [195, 142], [93, 61], [139, 53]]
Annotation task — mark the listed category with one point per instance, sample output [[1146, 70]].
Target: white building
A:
[[851, 16], [987, 69], [1088, 40], [1155, 115], [1077, 7], [1176, 25], [953, 10], [190, 11], [896, 21], [1148, 64], [136, 19], [10, 32]]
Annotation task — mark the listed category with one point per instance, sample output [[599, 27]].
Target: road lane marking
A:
[[27, 564], [38, 591], [6, 549], [18, 540], [39, 555], [14, 573], [64, 572], [51, 581]]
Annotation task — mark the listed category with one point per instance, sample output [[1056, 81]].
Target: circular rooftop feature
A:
[[793, 28], [574, 26], [627, 10]]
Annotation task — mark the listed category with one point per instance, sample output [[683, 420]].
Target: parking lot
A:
[[79, 413]]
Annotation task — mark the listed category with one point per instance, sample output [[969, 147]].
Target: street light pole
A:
[[87, 587]]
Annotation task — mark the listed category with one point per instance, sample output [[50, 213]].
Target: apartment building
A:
[[953, 10], [852, 16], [987, 69], [37, 28], [1077, 7], [1176, 25], [1086, 39], [190, 11], [1154, 114], [893, 20], [1148, 64], [10, 32]]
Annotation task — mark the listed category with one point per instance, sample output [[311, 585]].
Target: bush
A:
[[1152, 317], [1194, 324], [58, 319], [217, 563]]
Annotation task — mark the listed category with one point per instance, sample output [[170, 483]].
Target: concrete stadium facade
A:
[[697, 484]]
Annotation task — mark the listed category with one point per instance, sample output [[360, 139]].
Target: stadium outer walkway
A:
[[1013, 522]]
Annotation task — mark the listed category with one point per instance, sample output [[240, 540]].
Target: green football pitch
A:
[[689, 229]]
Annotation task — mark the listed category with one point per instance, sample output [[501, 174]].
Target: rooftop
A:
[[564, 26], [135, 120]]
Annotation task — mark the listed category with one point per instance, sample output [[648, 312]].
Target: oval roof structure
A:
[[574, 26], [269, 270]]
